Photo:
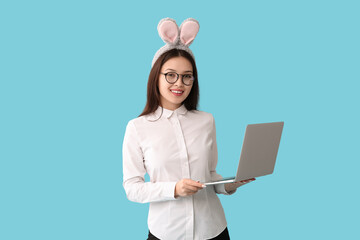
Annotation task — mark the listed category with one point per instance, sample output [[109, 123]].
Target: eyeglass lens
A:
[[172, 77]]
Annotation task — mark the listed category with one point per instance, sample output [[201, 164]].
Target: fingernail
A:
[[204, 186]]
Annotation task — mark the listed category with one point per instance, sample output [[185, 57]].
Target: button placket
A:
[[183, 151], [185, 169]]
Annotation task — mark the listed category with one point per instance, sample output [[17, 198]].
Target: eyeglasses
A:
[[172, 77]]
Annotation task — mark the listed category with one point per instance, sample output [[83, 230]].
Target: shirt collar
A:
[[166, 112]]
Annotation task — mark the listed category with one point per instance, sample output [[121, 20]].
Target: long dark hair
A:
[[153, 93]]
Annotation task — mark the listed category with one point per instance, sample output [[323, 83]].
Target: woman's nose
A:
[[179, 81]]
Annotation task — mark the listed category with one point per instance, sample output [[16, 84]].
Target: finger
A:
[[190, 193], [195, 184], [189, 188], [242, 181], [239, 184], [248, 180]]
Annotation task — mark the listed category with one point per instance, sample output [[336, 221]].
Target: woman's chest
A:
[[174, 144]]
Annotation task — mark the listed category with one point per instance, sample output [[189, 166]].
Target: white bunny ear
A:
[[188, 30], [168, 30]]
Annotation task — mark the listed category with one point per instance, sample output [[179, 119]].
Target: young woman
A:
[[175, 144]]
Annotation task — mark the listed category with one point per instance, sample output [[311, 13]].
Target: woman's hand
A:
[[231, 187], [187, 187]]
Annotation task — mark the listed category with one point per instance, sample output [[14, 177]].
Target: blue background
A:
[[73, 73]]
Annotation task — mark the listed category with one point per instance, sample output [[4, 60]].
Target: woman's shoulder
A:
[[202, 114], [137, 121], [143, 121]]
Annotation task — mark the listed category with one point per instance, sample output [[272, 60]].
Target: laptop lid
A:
[[259, 150]]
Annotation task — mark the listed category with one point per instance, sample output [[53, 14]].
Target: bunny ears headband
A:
[[175, 37]]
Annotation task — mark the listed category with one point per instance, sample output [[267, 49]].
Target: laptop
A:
[[258, 153]]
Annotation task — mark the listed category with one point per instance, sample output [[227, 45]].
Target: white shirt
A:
[[179, 144]]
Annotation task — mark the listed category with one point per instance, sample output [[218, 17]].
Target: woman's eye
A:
[[188, 76], [171, 75]]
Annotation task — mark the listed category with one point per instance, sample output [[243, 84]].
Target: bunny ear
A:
[[168, 30], [188, 30]]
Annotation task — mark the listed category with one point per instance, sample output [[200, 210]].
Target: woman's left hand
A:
[[231, 187]]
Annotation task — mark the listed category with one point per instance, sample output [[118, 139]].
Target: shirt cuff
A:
[[169, 190]]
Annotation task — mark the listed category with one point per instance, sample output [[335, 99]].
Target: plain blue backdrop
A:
[[73, 73]]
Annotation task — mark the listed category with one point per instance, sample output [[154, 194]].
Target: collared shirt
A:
[[169, 146]]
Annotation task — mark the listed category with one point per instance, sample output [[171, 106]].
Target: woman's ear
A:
[[188, 31], [168, 30]]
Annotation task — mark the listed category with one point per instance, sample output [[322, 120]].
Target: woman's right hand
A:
[[186, 187]]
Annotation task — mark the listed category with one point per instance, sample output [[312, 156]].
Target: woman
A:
[[176, 145]]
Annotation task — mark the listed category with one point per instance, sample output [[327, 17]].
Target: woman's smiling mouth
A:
[[177, 92]]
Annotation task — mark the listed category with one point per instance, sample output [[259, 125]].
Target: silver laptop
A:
[[258, 153]]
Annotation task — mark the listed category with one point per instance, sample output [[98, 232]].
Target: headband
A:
[[175, 37]]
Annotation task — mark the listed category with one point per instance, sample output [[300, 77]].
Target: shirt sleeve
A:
[[219, 188], [137, 190]]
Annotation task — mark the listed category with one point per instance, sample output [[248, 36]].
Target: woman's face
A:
[[172, 95]]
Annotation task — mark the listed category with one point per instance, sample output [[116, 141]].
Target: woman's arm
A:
[[227, 188], [219, 188], [137, 190]]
